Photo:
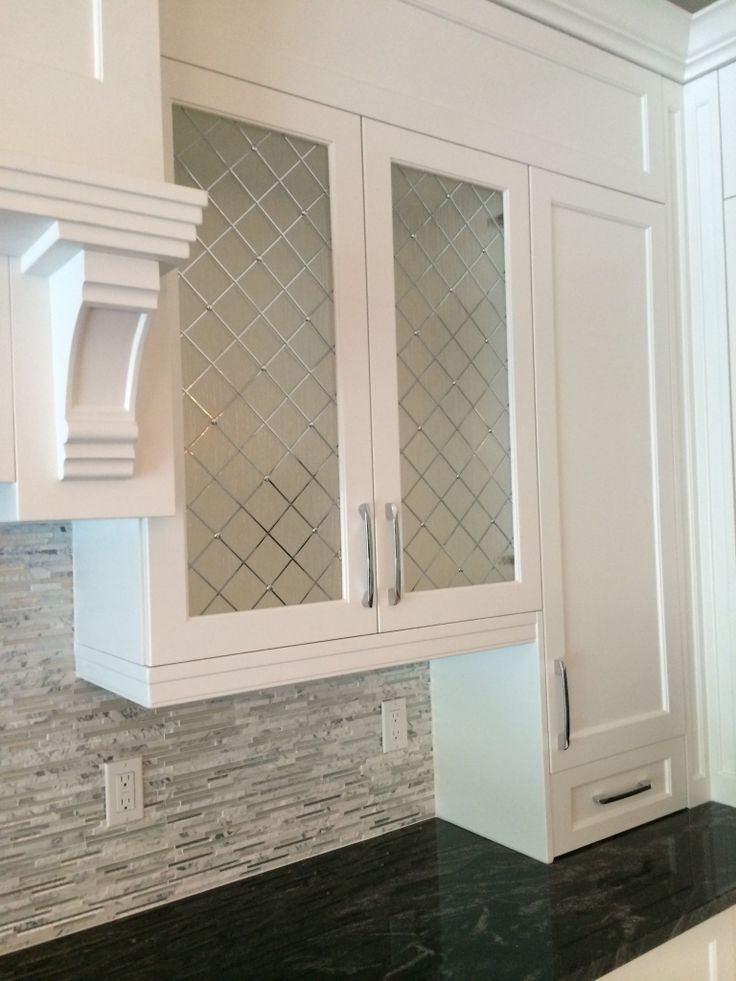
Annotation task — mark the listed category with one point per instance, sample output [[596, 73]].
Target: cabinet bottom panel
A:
[[608, 796]]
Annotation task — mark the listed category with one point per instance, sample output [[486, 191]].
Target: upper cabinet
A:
[[348, 470]]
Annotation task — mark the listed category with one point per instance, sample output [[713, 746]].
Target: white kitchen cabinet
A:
[[605, 373], [294, 471], [706, 952], [727, 100]]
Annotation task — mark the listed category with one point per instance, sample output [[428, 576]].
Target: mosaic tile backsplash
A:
[[233, 786]]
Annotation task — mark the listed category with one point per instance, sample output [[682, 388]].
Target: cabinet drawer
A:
[[611, 795]]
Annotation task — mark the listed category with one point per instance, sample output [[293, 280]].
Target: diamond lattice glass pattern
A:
[[453, 381], [258, 360]]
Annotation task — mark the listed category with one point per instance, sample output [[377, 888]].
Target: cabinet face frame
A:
[[384, 145], [624, 728], [173, 634]]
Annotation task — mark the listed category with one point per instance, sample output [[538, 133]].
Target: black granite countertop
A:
[[427, 902]]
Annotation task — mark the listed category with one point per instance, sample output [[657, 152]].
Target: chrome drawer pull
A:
[[563, 739], [640, 788], [394, 594], [365, 514]]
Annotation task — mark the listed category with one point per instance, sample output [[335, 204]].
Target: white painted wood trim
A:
[[511, 87], [668, 40], [727, 93], [98, 240], [194, 680], [49, 212], [694, 667], [714, 559], [712, 39]]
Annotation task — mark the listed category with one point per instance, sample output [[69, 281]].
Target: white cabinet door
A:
[[269, 545], [452, 381], [605, 374]]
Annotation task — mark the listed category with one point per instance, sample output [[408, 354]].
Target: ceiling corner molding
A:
[[712, 41], [101, 243], [663, 38]]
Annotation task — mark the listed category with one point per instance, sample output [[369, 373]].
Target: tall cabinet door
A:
[[605, 374], [270, 543], [451, 379]]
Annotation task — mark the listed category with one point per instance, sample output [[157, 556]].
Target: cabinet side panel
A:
[[727, 91], [110, 592], [488, 746], [713, 462], [7, 426]]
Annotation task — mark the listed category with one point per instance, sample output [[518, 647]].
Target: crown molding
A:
[[712, 40], [651, 33]]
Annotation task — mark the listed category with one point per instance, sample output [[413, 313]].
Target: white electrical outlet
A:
[[124, 791], [393, 717]]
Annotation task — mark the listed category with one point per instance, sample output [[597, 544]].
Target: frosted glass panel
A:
[[258, 361], [453, 381]]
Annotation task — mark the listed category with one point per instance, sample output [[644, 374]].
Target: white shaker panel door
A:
[[605, 370]]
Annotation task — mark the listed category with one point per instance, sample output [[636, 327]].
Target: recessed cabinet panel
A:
[[605, 411], [727, 99], [450, 336]]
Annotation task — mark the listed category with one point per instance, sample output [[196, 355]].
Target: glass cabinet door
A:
[[450, 332], [274, 370]]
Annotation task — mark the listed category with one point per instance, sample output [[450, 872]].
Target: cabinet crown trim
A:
[[101, 242], [669, 40]]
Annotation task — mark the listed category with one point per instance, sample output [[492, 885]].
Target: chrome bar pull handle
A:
[[563, 739], [640, 788], [394, 593], [368, 595]]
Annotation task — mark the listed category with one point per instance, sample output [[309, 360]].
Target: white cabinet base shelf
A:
[[188, 681]]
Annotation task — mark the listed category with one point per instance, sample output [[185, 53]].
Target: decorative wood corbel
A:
[[101, 244]]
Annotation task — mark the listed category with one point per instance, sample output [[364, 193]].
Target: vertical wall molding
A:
[[7, 420], [695, 669], [714, 554]]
